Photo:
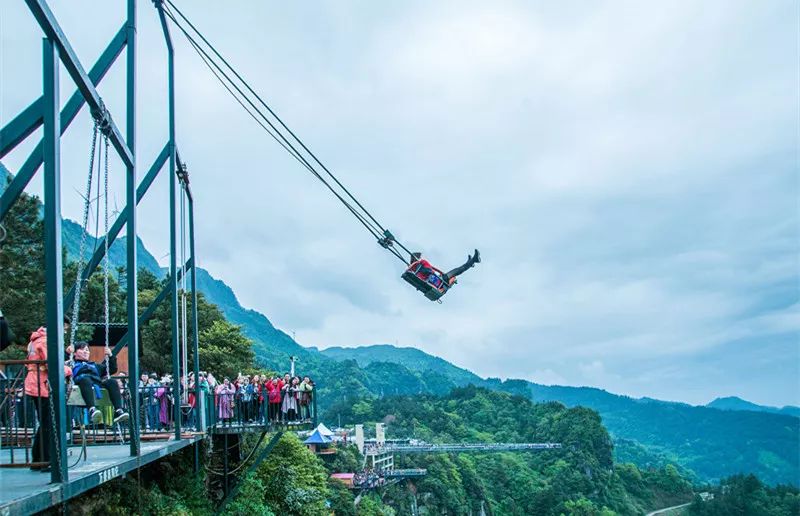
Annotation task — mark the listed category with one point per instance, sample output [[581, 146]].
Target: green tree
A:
[[224, 349], [370, 505], [249, 501], [345, 460], [295, 482], [583, 507], [341, 499], [22, 269]]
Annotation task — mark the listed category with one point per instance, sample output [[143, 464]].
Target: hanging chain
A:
[[55, 435], [73, 329], [106, 271]]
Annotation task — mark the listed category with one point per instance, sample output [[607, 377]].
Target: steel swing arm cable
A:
[[222, 77], [263, 103], [287, 146], [206, 58]]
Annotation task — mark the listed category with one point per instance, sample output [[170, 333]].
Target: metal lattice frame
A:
[[45, 112]]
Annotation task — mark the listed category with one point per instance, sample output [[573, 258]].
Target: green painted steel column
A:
[[173, 244], [53, 267], [200, 400], [132, 267]]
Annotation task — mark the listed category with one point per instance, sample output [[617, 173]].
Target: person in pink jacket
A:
[[37, 388]]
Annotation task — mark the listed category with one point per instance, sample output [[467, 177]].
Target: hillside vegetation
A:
[[706, 443], [745, 494], [580, 478], [736, 403]]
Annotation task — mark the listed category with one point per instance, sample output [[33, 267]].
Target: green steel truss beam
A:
[[257, 462], [176, 373], [31, 118], [47, 21]]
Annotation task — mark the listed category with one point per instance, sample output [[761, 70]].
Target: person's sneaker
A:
[[120, 415], [95, 416]]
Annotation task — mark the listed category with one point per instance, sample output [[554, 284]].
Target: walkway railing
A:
[[26, 425], [373, 449], [227, 412]]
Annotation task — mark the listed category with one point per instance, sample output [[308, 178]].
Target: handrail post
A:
[[132, 268], [53, 266]]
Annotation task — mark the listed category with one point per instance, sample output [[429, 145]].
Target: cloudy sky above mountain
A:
[[629, 171]]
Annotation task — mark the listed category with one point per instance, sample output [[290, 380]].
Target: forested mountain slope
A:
[[412, 358], [580, 478], [736, 403], [711, 443]]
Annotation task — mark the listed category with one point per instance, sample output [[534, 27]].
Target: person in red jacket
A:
[[435, 276], [274, 386]]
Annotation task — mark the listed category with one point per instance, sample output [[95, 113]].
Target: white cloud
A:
[[628, 171]]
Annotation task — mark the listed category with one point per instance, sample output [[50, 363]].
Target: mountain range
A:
[[728, 436], [736, 403]]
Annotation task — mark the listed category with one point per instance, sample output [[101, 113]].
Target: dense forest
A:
[[745, 494], [581, 478]]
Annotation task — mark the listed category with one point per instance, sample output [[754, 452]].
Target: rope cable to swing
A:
[[222, 77], [266, 106], [362, 214], [273, 131]]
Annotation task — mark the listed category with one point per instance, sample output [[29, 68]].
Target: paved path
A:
[[665, 509]]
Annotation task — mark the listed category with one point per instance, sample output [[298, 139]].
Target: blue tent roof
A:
[[317, 438]]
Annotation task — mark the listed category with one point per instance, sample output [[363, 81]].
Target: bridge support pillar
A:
[[54, 309]]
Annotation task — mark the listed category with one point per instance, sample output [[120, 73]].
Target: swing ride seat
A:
[[428, 289], [76, 399]]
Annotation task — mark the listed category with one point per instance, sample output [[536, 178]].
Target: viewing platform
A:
[[26, 492], [99, 452], [405, 473]]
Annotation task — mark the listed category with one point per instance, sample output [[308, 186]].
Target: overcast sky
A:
[[629, 171]]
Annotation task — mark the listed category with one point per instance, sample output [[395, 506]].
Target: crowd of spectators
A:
[[101, 395], [257, 399]]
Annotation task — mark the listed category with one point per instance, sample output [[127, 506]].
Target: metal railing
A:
[[231, 409], [421, 447], [26, 425]]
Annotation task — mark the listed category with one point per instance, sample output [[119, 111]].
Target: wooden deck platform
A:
[[23, 491]]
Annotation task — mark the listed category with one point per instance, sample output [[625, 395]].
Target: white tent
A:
[[324, 430]]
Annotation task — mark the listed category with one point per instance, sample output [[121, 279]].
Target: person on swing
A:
[[91, 376], [436, 277]]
